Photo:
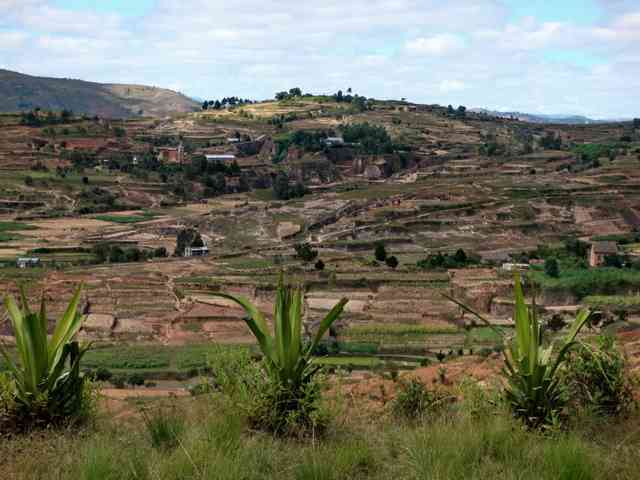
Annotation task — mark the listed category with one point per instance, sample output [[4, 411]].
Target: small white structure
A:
[[24, 262], [510, 267], [334, 141], [196, 251], [233, 140]]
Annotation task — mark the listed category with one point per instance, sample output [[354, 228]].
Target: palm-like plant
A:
[[43, 385], [533, 387], [287, 357]]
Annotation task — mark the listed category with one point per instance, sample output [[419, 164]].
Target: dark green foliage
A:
[[552, 268], [103, 374], [319, 265], [589, 154], [439, 261], [283, 190], [614, 261], [135, 380], [460, 257], [118, 381], [105, 252], [414, 400], [305, 252], [391, 262], [38, 118], [372, 139], [47, 385], [551, 141], [597, 379], [594, 281], [188, 237], [380, 252], [28, 181]]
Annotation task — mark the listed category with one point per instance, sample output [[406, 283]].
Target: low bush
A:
[[414, 400], [597, 380]]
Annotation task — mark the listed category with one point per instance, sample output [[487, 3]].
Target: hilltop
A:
[[20, 92]]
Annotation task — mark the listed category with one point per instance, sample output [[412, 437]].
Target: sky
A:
[[538, 56]]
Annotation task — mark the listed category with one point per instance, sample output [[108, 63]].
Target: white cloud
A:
[[442, 44], [447, 86], [461, 51], [12, 40]]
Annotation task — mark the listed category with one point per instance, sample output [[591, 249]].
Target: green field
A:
[[586, 282], [124, 219], [629, 303]]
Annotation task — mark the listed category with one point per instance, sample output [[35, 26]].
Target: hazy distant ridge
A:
[[19, 92], [541, 118]]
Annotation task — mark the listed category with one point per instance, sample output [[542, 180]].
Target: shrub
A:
[[319, 265], [305, 252], [118, 381], [380, 252], [48, 386], [135, 379], [392, 262], [532, 383], [551, 267], [288, 403], [414, 400], [597, 379], [164, 428], [103, 374]]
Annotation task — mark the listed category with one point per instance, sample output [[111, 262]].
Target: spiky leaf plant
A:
[[288, 358], [48, 385], [532, 382]]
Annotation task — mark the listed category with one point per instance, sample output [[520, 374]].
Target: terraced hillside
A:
[[489, 187]]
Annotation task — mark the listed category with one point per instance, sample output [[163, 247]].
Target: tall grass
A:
[[215, 444]]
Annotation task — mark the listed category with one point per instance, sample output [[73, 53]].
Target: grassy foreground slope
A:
[[471, 442]]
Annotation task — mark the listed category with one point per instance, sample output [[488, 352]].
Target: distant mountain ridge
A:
[[20, 92], [541, 118]]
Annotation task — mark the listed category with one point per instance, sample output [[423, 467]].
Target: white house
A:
[[24, 262], [196, 251], [334, 141]]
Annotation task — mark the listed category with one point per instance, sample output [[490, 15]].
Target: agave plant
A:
[[533, 388], [287, 357], [44, 387]]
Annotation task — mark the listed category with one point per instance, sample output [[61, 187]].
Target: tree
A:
[[392, 262], [28, 181], [380, 252], [460, 257], [85, 180], [551, 267], [205, 105], [319, 265], [295, 92], [614, 261], [281, 186], [305, 252], [636, 123]]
